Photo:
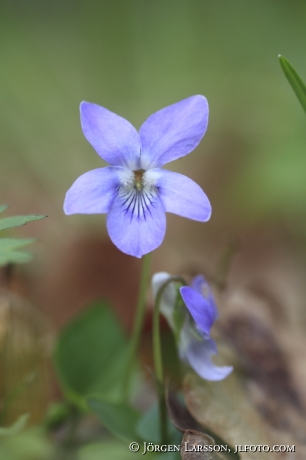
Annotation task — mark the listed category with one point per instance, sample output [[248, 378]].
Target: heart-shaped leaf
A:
[[90, 354], [120, 419]]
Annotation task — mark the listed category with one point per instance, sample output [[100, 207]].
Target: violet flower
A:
[[195, 345], [133, 191]]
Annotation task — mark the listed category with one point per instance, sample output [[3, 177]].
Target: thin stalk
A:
[[224, 264], [158, 365], [158, 360], [138, 323]]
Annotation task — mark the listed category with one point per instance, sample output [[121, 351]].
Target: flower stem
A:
[[158, 360], [224, 263], [138, 323], [158, 365]]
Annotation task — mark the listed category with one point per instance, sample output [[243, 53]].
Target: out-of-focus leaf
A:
[[29, 445], [90, 354], [16, 221], [223, 407], [110, 451], [8, 253], [57, 414], [170, 455], [148, 428], [119, 419], [15, 257], [3, 207], [16, 428], [8, 244], [295, 80]]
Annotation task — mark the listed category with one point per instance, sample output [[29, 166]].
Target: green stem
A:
[[138, 323], [158, 365], [158, 361], [224, 264]]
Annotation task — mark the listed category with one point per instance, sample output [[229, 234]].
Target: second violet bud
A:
[[190, 313]]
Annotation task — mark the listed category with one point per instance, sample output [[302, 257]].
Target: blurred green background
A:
[[135, 57]]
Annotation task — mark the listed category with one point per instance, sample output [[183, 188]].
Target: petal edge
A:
[[93, 192], [173, 132], [113, 137]]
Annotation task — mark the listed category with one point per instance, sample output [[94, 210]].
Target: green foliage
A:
[[295, 80], [128, 425], [108, 450], [3, 207], [179, 316], [16, 428], [9, 247], [148, 428], [90, 355], [8, 253], [31, 444], [120, 419], [57, 414], [16, 221]]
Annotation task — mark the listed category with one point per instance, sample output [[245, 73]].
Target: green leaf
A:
[[3, 207], [15, 257], [90, 354], [16, 428], [295, 80], [179, 316], [8, 244], [8, 253], [16, 221], [148, 428], [120, 419], [30, 444], [58, 413], [110, 451]]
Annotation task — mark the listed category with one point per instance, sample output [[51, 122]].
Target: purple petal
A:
[[136, 223], [181, 195], [113, 137], [173, 132], [200, 285], [200, 308], [197, 283], [198, 355], [94, 191]]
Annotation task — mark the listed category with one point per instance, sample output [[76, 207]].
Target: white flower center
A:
[[138, 192], [138, 181]]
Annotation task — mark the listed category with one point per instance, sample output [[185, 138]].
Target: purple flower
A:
[[195, 345], [133, 191]]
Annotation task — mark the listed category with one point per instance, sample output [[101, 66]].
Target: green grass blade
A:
[[295, 80]]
